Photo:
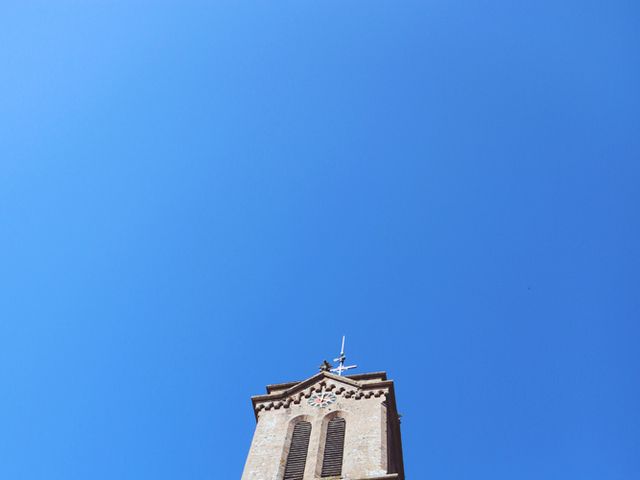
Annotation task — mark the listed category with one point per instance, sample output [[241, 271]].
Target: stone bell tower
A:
[[327, 427]]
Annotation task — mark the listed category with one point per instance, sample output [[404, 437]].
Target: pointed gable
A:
[[284, 395]]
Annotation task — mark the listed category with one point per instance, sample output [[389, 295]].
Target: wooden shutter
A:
[[333, 448], [297, 458]]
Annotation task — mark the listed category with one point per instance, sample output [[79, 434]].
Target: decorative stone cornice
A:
[[357, 377], [288, 394]]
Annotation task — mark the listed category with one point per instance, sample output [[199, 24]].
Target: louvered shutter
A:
[[333, 448], [294, 470]]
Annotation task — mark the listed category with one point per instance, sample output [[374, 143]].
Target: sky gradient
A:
[[199, 198]]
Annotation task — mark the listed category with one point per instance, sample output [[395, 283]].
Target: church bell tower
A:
[[329, 426]]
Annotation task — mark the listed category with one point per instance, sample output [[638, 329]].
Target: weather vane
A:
[[341, 359]]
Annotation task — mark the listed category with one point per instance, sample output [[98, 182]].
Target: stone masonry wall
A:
[[365, 435]]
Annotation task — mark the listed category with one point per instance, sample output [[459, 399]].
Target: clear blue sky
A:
[[199, 198]]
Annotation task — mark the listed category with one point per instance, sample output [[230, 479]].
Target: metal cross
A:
[[341, 359]]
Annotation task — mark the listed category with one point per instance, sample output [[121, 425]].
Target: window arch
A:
[[333, 448], [297, 457]]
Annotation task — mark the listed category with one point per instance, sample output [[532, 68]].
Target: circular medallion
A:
[[321, 399]]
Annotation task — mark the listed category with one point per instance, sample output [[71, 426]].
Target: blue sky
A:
[[199, 198]]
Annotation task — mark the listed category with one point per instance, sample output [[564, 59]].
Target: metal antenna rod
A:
[[341, 359]]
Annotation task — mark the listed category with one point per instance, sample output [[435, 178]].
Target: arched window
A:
[[333, 448], [297, 457]]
